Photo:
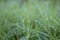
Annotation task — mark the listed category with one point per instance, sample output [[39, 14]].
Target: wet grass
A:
[[33, 20]]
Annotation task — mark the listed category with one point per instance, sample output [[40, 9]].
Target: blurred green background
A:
[[29, 19]]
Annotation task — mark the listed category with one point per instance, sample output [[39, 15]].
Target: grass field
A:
[[29, 20]]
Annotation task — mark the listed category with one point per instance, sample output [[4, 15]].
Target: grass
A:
[[33, 20]]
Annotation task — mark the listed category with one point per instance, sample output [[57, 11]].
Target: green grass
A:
[[33, 20]]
